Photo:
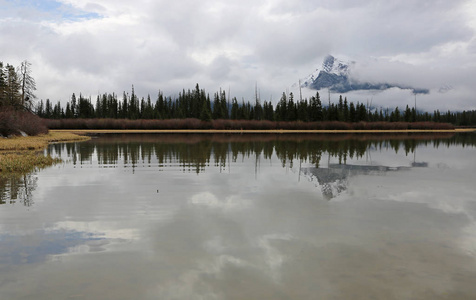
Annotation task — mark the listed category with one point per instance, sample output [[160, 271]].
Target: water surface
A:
[[244, 217]]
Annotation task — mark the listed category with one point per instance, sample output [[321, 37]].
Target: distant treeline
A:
[[197, 104]]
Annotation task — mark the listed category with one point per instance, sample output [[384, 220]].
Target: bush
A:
[[31, 124], [8, 123], [13, 122], [224, 124]]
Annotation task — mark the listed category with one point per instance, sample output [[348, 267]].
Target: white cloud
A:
[[106, 46]]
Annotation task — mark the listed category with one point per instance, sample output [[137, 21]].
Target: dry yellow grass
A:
[[25, 162], [19, 154], [38, 142]]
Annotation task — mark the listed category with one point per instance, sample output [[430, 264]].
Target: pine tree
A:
[[340, 109], [281, 108], [74, 110], [346, 110], [99, 107], [40, 109], [291, 113], [68, 113], [48, 109], [224, 106], [352, 112], [234, 109], [12, 88], [3, 86], [319, 110], [217, 110], [206, 113]]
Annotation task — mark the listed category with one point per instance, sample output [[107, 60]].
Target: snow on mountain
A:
[[335, 66], [335, 76]]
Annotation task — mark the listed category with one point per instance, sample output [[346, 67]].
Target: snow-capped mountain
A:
[[335, 76], [335, 66]]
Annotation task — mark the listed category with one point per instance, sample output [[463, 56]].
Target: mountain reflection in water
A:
[[244, 217], [195, 153]]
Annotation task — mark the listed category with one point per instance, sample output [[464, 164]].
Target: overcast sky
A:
[[107, 45]]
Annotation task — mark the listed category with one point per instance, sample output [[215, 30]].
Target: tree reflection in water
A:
[[17, 188], [196, 152]]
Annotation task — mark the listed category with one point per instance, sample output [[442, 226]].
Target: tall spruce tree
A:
[[12, 88]]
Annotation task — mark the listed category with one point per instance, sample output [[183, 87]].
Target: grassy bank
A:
[[25, 162], [225, 124], [37, 142], [21, 154]]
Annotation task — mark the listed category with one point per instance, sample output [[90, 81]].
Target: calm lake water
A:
[[244, 217]]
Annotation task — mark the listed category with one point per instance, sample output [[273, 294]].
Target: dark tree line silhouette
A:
[[197, 104]]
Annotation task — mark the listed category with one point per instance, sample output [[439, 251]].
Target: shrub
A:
[[13, 122], [31, 124], [8, 123], [224, 124]]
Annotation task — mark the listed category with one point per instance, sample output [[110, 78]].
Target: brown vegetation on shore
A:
[[224, 124], [20, 143], [14, 122], [21, 154]]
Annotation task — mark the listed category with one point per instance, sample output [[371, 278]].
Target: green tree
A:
[[206, 112], [3, 85], [12, 88], [407, 115], [281, 108], [217, 109], [346, 110], [291, 112], [352, 112]]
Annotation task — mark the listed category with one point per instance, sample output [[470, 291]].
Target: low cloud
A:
[[109, 45]]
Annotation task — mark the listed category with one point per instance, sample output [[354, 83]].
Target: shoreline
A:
[[20, 155], [39, 142], [252, 131]]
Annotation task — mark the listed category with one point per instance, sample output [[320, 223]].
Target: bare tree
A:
[[28, 85]]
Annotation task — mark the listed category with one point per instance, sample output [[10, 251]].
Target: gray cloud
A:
[[173, 45]]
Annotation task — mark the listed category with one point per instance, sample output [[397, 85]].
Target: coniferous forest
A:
[[197, 105], [195, 108]]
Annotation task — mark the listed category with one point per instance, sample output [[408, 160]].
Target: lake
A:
[[244, 217]]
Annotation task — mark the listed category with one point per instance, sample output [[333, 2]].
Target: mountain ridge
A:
[[335, 76]]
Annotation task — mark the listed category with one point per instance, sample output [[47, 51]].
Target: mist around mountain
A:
[[336, 76]]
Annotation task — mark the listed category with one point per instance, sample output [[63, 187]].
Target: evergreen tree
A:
[[217, 109], [234, 109], [407, 115], [352, 113], [74, 109], [48, 109], [340, 110], [303, 111], [3, 86], [281, 108], [40, 109], [268, 111], [206, 113], [361, 112], [12, 88], [346, 110], [68, 112], [99, 107], [258, 110], [291, 113]]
